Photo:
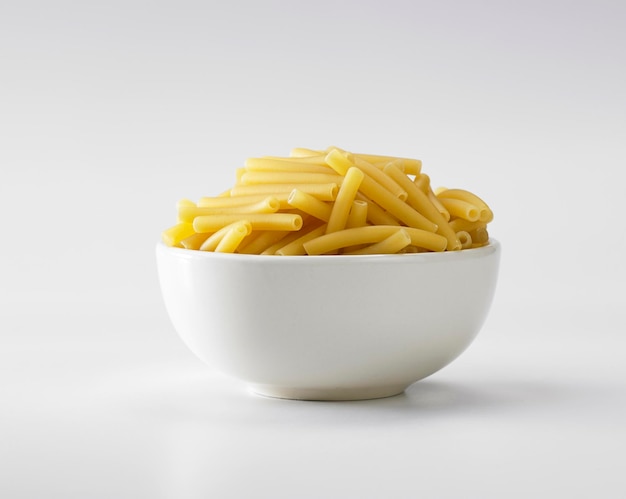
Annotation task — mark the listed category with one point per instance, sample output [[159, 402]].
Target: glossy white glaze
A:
[[328, 327]]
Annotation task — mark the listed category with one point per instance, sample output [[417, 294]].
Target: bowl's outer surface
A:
[[328, 327]]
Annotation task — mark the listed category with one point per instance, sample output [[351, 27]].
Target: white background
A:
[[112, 111]]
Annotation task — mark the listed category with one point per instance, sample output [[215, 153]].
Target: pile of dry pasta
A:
[[331, 202]]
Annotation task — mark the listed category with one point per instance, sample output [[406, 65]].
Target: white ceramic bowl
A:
[[328, 327]]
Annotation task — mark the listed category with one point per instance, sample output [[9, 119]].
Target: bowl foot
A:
[[337, 394]]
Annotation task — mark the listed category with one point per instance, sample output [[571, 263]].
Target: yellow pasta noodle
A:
[[233, 238], [261, 240], [296, 247], [194, 241], [229, 201], [367, 168], [277, 165], [461, 209], [309, 204], [394, 243], [302, 152], [372, 234], [268, 204], [480, 236], [459, 224], [358, 214], [182, 205], [174, 235], [339, 161], [288, 238], [315, 159], [251, 178], [323, 192], [239, 173], [437, 204], [385, 199], [380, 176], [259, 221], [331, 201], [341, 208], [395, 206], [234, 232], [418, 200], [422, 181], [465, 238], [408, 165], [485, 213], [375, 214]]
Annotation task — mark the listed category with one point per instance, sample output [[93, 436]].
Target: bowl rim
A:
[[491, 247]]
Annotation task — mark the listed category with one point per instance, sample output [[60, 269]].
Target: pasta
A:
[[418, 200], [358, 214], [461, 209], [394, 243], [281, 177], [485, 213], [292, 165], [372, 234], [379, 176], [227, 201], [268, 204], [401, 210], [345, 197], [174, 235], [309, 204], [296, 247], [227, 238], [262, 240], [331, 201], [323, 192], [259, 221]]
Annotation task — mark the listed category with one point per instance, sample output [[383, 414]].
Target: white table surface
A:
[[536, 407]]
